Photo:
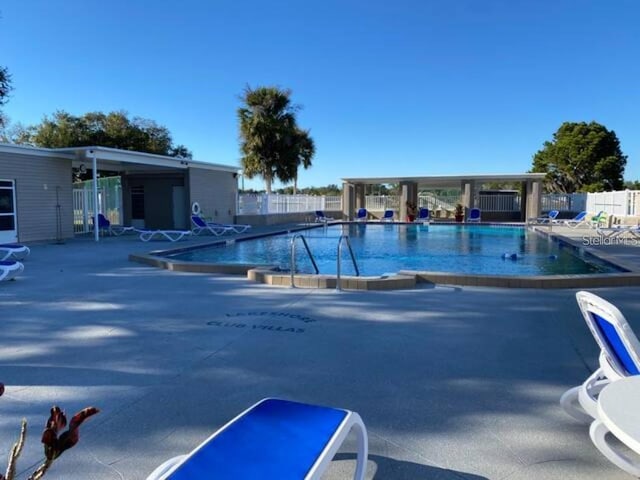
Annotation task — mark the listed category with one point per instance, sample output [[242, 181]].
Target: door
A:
[[179, 208], [8, 220]]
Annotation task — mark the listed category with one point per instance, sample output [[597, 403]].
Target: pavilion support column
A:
[[361, 201], [534, 198], [524, 200], [94, 166], [408, 194], [348, 201], [468, 196]]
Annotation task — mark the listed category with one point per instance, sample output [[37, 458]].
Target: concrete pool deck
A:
[[452, 382]]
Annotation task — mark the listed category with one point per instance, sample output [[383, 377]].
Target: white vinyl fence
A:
[[264, 204], [622, 204]]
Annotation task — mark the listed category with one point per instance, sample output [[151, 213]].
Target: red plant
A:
[[54, 442]]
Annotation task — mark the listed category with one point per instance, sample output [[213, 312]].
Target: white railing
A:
[[621, 204], [382, 202], [438, 202], [264, 204]]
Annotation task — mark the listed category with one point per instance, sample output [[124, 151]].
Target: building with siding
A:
[[158, 192]]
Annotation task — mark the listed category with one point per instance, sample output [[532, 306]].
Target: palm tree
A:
[[271, 143], [306, 150]]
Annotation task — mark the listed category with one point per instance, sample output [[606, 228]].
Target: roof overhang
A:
[[115, 159], [449, 180], [129, 161]]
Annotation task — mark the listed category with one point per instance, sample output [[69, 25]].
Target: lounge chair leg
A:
[[569, 403], [363, 449], [598, 433]]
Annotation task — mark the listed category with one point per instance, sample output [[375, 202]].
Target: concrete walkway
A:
[[452, 383]]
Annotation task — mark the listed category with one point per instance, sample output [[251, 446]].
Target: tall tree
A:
[[582, 157], [306, 149], [114, 130], [5, 88], [271, 143]]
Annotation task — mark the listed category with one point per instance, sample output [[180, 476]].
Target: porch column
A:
[[408, 193], [348, 201], [94, 166], [468, 195], [361, 201], [524, 200], [534, 198]]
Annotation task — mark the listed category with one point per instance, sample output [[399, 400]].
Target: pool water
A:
[[380, 249]]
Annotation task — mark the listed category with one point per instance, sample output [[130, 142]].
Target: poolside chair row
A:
[[424, 215], [581, 219], [11, 256], [619, 358], [199, 226]]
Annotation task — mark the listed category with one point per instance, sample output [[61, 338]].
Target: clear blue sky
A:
[[387, 87]]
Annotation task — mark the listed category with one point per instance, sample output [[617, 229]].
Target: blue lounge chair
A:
[[104, 225], [474, 215], [388, 216], [550, 218], [274, 439], [423, 215], [200, 226], [13, 251], [9, 269], [321, 217], [579, 219], [362, 214], [619, 355]]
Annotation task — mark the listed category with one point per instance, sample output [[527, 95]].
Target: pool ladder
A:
[[353, 259], [343, 238], [293, 256]]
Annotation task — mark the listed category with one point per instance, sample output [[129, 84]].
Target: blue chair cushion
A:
[[610, 335], [8, 263], [276, 439], [11, 245]]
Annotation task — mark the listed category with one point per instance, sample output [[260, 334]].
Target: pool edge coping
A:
[[403, 279]]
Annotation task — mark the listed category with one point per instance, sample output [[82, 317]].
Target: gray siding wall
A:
[[215, 191], [37, 180]]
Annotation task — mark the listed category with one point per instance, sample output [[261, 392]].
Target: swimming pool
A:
[[382, 249]]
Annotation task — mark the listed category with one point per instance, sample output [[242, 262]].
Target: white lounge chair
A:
[[9, 269], [13, 251], [362, 215], [231, 227], [578, 220], [200, 226], [321, 217], [619, 355], [171, 235], [274, 439]]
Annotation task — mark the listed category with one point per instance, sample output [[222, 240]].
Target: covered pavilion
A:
[[354, 190]]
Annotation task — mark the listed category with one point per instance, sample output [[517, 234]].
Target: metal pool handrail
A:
[[293, 256], [353, 259]]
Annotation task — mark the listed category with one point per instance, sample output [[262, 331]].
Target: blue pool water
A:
[[379, 249]]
